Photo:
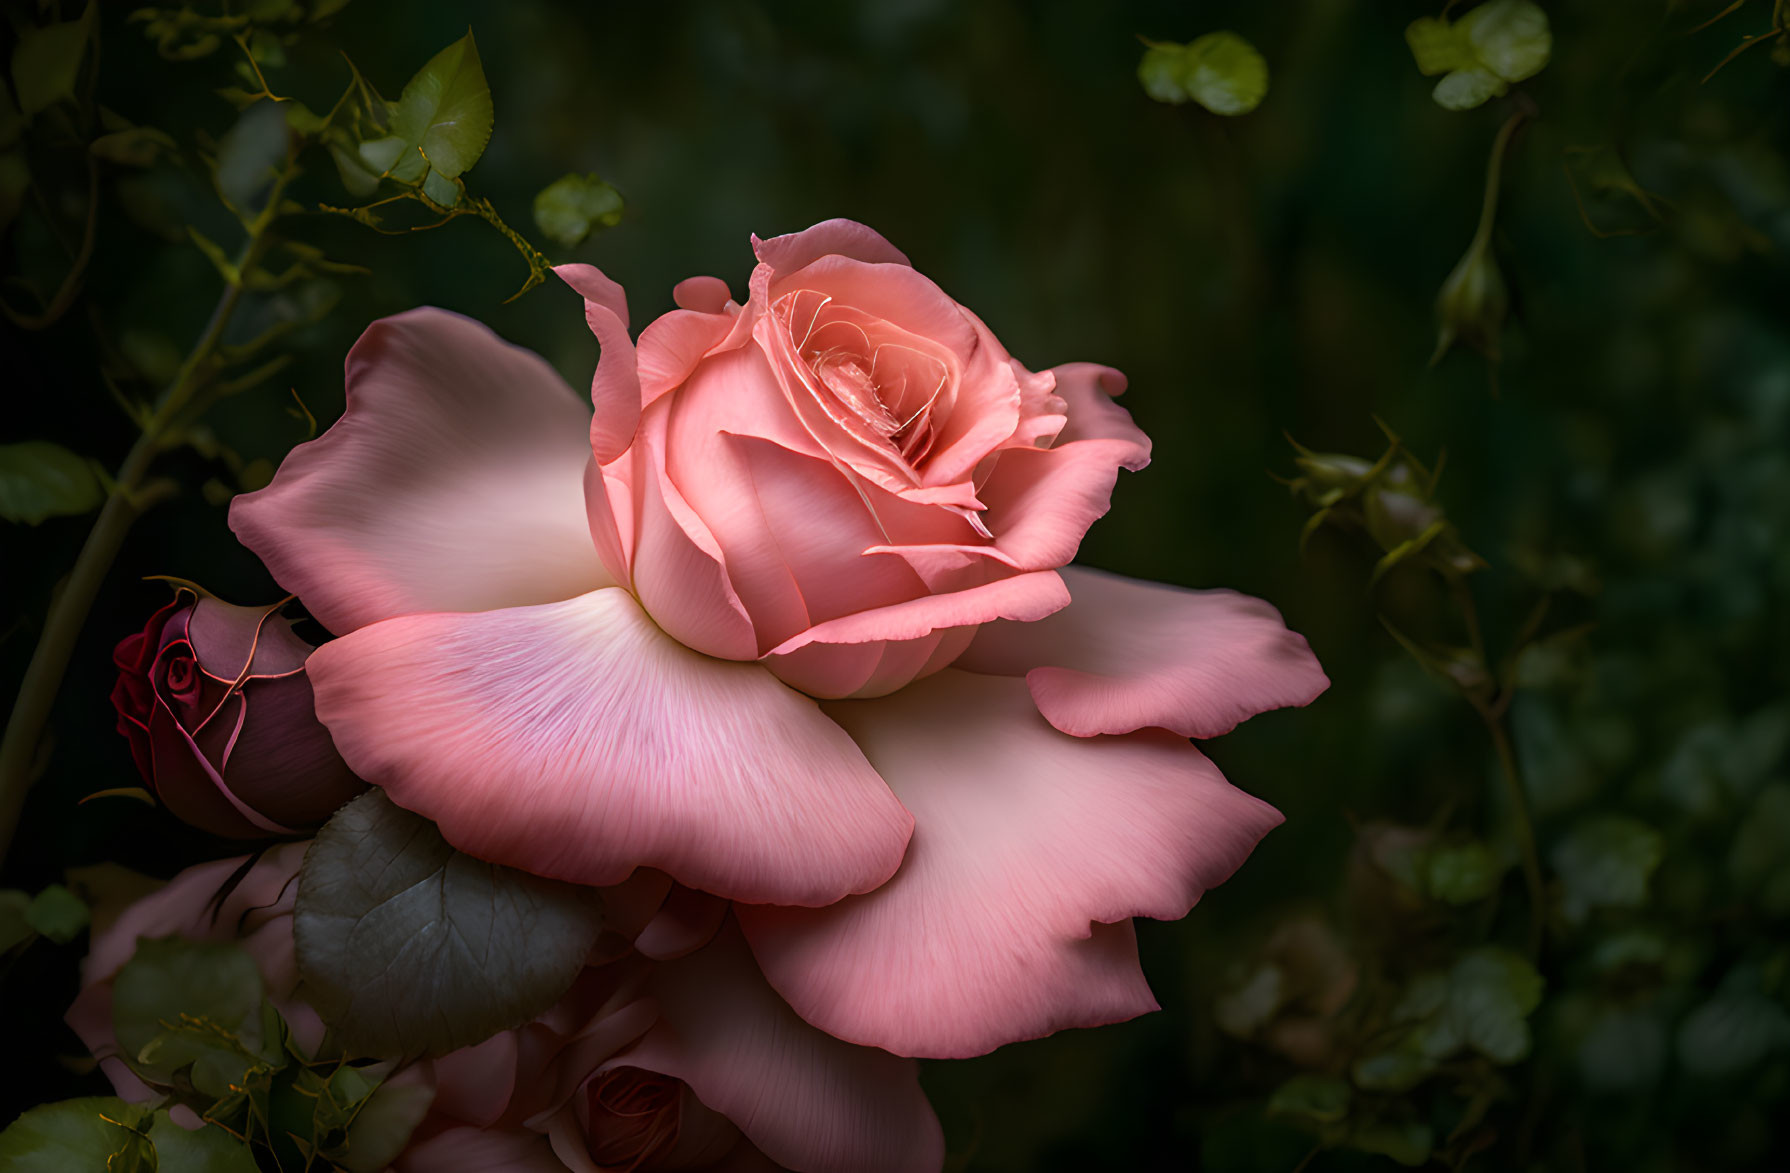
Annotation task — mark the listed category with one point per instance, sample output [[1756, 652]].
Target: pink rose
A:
[[848, 474], [219, 715], [567, 639]]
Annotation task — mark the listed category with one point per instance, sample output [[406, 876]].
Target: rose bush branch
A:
[[131, 493]]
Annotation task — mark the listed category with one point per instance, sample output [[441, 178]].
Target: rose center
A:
[[634, 1118], [870, 369], [180, 678]]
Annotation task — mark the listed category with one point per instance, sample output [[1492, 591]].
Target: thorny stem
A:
[[128, 499]]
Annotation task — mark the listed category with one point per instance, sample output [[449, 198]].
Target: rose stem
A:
[[124, 504]]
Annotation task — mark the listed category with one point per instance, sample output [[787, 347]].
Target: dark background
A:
[[1258, 276]]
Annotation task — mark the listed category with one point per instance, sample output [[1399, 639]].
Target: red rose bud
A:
[[218, 711]]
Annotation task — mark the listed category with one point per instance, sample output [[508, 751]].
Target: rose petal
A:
[[1006, 921], [1127, 654], [806, 1100], [476, 1150], [686, 922], [707, 295], [615, 387], [225, 638], [452, 483], [679, 572], [845, 238], [1023, 598], [576, 740]]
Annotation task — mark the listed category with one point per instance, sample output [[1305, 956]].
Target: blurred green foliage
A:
[[1386, 980]]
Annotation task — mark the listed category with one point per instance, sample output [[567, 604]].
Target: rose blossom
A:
[[214, 701], [570, 640], [672, 1055]]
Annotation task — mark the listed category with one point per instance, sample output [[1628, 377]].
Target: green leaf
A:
[[1225, 74], [1509, 38], [39, 479], [357, 176], [1483, 1002], [407, 947], [1491, 994], [1605, 862], [15, 926], [1466, 88], [1731, 1032], [441, 189], [1408, 1143], [97, 1132], [1323, 1099], [1462, 873], [46, 63], [138, 146], [383, 1125], [1498, 43], [1438, 46], [250, 155], [573, 206], [203, 1150], [1160, 73], [1392, 1071], [1221, 71], [180, 1003], [58, 914], [445, 110]]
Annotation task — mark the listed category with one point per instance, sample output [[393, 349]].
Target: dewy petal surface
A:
[[454, 482], [577, 740], [807, 1100], [1008, 919], [1127, 654]]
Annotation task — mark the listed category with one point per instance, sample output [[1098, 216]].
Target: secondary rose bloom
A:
[[587, 644], [256, 913], [690, 1064], [671, 1055], [219, 714]]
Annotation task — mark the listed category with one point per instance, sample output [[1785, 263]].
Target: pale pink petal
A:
[[1023, 598], [615, 388], [1127, 654], [453, 483], [835, 671], [576, 740], [475, 1150], [846, 238], [1032, 848], [806, 1100]]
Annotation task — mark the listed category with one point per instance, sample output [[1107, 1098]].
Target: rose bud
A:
[[218, 711]]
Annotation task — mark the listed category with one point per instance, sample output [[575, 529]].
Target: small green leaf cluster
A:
[[54, 913], [1483, 53], [194, 1022], [1220, 71]]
